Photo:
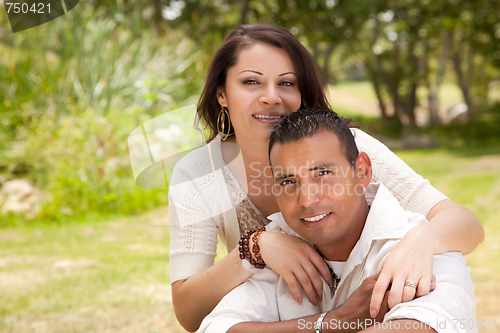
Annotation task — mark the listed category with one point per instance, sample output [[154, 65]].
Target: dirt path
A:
[[351, 101]]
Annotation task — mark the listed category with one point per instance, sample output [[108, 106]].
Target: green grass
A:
[[69, 275]]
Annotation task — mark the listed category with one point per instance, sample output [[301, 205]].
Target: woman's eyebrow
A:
[[252, 71]]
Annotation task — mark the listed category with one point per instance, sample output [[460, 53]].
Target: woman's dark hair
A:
[[311, 81]]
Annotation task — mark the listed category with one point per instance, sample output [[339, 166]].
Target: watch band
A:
[[318, 325]]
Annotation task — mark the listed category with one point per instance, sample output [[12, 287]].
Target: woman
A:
[[259, 74]]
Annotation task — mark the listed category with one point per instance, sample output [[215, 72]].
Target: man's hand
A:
[[357, 307]]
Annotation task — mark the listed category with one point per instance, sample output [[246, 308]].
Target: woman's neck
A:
[[254, 151], [257, 178]]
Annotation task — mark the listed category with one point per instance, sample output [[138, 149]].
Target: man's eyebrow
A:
[[279, 176], [320, 167]]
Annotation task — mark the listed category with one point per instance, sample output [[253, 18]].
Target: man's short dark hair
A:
[[308, 122]]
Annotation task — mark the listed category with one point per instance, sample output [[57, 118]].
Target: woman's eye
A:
[[325, 172], [287, 84], [250, 81]]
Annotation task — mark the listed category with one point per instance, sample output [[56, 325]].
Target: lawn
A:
[[102, 276]]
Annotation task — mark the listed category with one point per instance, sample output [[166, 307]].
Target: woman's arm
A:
[[195, 297], [198, 203], [449, 228], [455, 228], [294, 259]]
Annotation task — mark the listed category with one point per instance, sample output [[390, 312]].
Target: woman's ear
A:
[[221, 97], [364, 169]]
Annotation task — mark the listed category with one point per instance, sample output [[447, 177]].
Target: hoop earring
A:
[[222, 119]]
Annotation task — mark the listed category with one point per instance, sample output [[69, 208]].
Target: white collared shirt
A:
[[265, 297]]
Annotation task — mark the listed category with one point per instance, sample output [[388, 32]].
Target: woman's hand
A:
[[410, 260], [297, 262]]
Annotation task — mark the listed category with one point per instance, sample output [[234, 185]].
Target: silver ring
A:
[[410, 283]]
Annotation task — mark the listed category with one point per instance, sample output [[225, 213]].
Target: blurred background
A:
[[84, 249]]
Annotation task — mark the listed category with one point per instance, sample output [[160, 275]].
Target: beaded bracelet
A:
[[259, 262], [244, 248]]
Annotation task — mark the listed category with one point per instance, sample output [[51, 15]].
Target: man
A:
[[324, 193]]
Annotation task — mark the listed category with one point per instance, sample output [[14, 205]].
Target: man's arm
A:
[[332, 323], [352, 316]]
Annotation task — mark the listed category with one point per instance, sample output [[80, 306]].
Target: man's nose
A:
[[309, 194]]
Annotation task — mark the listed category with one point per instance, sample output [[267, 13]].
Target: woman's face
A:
[[261, 88]]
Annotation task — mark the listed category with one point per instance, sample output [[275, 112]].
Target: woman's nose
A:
[[270, 95]]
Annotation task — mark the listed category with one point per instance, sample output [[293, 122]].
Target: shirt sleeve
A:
[[451, 307], [254, 300], [413, 192]]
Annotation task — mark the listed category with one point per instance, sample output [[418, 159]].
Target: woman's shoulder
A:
[[198, 162], [367, 143]]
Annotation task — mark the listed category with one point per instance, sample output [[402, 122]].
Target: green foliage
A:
[[74, 90]]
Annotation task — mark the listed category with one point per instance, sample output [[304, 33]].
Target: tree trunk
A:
[[433, 85], [244, 12], [157, 14], [463, 83], [464, 75], [377, 88], [326, 61]]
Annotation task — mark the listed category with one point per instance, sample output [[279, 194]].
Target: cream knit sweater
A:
[[205, 201]]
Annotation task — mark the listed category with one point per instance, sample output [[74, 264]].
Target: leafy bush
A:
[[74, 90]]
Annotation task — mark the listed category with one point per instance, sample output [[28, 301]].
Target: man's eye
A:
[[325, 172], [287, 182]]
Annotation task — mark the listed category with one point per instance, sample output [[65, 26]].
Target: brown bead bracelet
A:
[[244, 248]]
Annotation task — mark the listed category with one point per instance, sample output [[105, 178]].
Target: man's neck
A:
[[341, 250]]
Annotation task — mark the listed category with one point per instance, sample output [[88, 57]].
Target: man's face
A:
[[319, 193]]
